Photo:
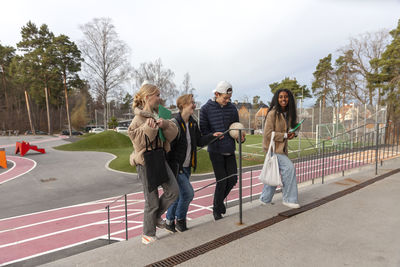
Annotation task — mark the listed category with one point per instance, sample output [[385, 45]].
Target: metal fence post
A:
[[108, 220], [240, 176], [323, 160], [376, 148], [251, 185], [126, 218]]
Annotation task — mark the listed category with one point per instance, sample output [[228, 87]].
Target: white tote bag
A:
[[270, 172]]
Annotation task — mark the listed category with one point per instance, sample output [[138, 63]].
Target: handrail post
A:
[[240, 176], [251, 185], [376, 149], [323, 161], [126, 218], [108, 221]]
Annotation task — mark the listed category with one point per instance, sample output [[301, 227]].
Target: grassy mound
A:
[[99, 142], [108, 141]]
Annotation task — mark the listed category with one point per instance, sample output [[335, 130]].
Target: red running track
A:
[[31, 235], [21, 166]]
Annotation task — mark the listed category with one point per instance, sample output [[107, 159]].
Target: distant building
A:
[[259, 119]]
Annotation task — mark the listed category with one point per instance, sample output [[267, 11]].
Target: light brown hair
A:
[[183, 100], [140, 96]]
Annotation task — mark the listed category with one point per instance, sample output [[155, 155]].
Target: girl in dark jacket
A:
[[181, 158]]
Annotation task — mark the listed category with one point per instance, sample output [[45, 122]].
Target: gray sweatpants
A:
[[154, 206]]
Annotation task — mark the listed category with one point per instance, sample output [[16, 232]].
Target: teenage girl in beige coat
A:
[[145, 122], [281, 118]]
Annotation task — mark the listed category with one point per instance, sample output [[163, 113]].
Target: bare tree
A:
[[155, 73], [186, 86], [364, 48], [106, 58]]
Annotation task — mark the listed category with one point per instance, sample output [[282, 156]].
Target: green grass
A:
[[108, 141]]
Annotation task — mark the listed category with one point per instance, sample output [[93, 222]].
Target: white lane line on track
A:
[[67, 217], [100, 201], [111, 234], [63, 231], [139, 211], [100, 210], [57, 209], [9, 169], [15, 164], [50, 251]]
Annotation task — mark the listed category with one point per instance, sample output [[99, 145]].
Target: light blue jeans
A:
[[180, 207], [288, 174]]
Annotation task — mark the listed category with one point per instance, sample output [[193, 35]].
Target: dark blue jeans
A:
[[180, 207]]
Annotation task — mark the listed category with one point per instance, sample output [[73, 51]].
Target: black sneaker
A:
[[170, 227], [217, 216], [181, 225], [223, 209]]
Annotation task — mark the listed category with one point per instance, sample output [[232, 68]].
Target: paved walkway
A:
[[359, 229]]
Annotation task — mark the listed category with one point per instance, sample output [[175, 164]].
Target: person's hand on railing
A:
[[221, 134], [243, 137]]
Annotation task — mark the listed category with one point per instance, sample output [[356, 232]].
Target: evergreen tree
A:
[[7, 53], [388, 77], [113, 122], [68, 60], [321, 85], [127, 102], [345, 79], [39, 58], [297, 90]]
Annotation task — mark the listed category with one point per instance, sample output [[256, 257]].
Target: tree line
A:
[[366, 71], [50, 83]]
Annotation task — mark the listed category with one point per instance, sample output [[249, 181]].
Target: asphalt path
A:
[[60, 178]]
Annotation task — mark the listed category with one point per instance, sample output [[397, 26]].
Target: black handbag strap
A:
[[148, 143]]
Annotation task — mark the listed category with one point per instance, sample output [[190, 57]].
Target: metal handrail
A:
[[227, 177], [335, 158]]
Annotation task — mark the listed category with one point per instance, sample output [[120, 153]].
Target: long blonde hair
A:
[[145, 90]]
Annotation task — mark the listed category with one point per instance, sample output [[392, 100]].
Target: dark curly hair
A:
[[291, 107]]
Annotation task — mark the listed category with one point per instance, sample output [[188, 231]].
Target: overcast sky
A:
[[248, 43]]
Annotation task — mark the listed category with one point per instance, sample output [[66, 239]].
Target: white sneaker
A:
[[146, 239], [265, 203], [291, 205]]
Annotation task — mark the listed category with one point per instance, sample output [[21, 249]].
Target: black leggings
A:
[[223, 165]]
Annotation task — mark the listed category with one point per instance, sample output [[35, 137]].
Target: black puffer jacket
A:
[[214, 118], [177, 155]]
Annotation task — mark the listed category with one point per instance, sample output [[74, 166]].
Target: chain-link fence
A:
[[320, 123]]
